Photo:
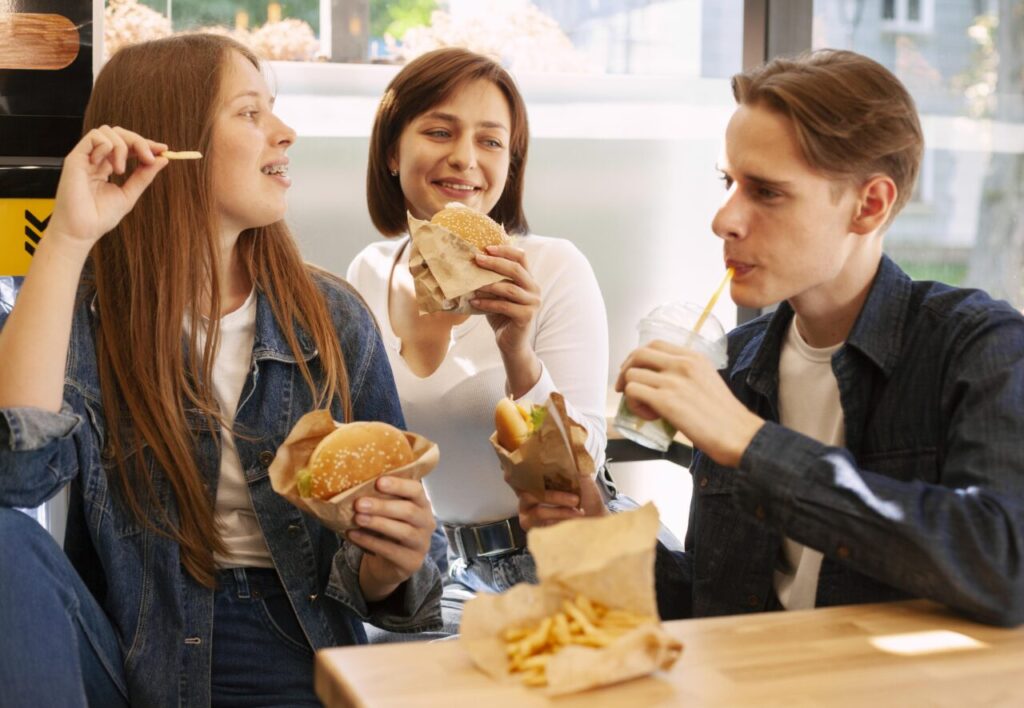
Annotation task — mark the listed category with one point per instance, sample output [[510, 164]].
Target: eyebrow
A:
[[250, 94], [449, 118], [763, 181]]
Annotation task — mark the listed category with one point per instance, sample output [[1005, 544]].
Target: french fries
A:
[[581, 621]]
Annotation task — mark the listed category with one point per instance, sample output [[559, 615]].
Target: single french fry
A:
[[586, 607], [514, 634], [537, 678], [560, 629], [182, 154], [581, 619]]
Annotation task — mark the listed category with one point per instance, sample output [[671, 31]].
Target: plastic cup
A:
[[673, 323]]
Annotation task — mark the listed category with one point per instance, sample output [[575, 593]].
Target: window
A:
[[907, 16], [963, 224]]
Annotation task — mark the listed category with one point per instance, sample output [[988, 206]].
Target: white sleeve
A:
[[571, 338]]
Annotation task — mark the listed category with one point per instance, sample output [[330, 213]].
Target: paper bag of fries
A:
[[592, 620], [443, 268], [337, 512], [554, 456]]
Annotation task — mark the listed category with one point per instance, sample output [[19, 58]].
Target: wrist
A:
[[373, 588], [522, 371], [55, 243]]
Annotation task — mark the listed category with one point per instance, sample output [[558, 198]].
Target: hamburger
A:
[[471, 226], [352, 454], [514, 424]]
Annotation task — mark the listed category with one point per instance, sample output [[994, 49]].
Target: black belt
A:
[[496, 538]]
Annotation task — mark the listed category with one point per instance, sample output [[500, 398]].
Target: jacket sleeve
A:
[[957, 539], [415, 606]]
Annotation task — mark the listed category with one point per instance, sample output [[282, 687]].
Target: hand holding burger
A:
[[394, 530]]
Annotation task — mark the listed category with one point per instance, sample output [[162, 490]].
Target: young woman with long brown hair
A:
[[165, 341]]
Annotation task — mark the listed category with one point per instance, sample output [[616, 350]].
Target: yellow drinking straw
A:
[[714, 298]]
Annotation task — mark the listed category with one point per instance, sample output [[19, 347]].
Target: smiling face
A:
[[457, 151], [247, 151], [786, 227]]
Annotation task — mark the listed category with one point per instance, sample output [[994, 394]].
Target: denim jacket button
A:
[[313, 597], [293, 529], [843, 552], [266, 457], [753, 601], [703, 481], [759, 512]]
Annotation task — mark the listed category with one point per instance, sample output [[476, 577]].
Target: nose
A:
[[463, 154], [729, 222], [282, 133]]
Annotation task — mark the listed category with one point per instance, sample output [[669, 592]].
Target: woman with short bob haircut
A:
[[165, 341], [452, 127]]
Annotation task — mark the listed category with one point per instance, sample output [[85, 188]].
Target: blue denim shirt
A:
[[926, 498], [163, 618]]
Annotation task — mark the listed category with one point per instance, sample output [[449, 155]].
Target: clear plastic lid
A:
[[674, 322]]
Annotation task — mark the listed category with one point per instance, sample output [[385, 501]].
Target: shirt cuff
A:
[[415, 606], [28, 429]]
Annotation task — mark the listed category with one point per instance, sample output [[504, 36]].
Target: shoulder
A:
[[344, 302], [963, 314], [373, 263], [555, 257]]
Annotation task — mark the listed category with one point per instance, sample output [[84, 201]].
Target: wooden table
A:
[[812, 657]]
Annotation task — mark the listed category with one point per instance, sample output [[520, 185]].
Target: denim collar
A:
[[877, 333]]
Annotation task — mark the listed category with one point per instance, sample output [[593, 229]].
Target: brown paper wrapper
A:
[[610, 560], [550, 458], [443, 270], [336, 513]]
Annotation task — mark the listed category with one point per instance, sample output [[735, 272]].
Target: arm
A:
[[571, 342], [34, 341], [395, 531], [953, 532]]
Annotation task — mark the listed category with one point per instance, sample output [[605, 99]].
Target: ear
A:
[[875, 200], [392, 162]]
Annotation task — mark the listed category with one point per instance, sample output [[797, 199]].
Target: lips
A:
[[739, 267]]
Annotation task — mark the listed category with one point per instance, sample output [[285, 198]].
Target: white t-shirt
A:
[[809, 404], [454, 406], [233, 512]]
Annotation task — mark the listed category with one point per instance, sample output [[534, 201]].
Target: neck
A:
[[826, 316], [235, 283]]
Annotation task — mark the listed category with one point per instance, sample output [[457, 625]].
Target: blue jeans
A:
[[260, 654], [58, 648]]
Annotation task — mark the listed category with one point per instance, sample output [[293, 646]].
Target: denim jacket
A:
[[926, 498], [163, 618]]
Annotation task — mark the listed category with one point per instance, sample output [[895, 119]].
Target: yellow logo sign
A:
[[22, 222]]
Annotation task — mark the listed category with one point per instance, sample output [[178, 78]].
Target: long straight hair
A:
[[152, 275]]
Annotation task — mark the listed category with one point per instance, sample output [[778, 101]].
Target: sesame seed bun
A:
[[471, 226], [355, 453]]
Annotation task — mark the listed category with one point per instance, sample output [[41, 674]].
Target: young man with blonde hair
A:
[[864, 443]]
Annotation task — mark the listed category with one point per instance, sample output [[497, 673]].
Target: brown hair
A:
[[154, 271], [423, 83], [853, 118]]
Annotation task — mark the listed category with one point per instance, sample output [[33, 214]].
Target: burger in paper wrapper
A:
[[608, 560], [323, 466], [441, 258], [553, 456]]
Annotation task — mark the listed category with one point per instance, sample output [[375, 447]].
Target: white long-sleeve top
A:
[[454, 406]]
